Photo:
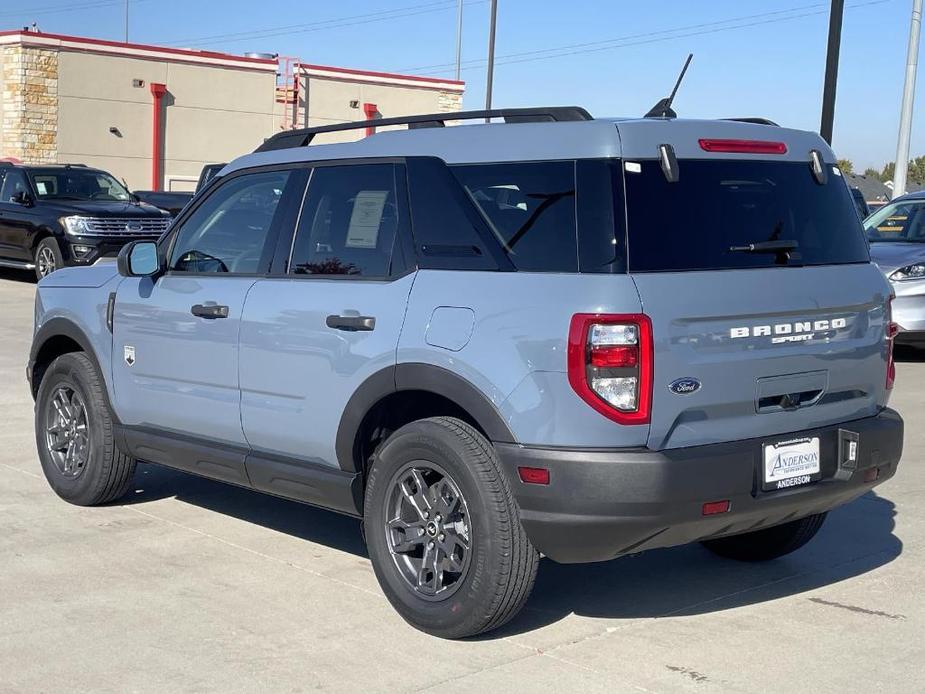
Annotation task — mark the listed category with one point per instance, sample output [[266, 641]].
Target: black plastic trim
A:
[[415, 376]]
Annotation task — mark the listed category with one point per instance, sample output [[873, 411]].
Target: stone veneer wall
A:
[[450, 101], [29, 105]]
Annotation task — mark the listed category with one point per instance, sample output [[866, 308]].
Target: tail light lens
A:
[[891, 330], [610, 364]]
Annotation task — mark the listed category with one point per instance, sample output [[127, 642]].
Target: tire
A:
[[483, 585], [769, 543], [48, 257], [93, 470]]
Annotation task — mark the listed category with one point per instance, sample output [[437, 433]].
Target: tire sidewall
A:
[[52, 243], [468, 605], [69, 371]]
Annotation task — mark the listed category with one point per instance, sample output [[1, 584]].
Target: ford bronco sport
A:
[[553, 335]]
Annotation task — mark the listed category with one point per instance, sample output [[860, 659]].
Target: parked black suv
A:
[[52, 216]]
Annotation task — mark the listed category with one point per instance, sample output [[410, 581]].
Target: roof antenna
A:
[[663, 108]]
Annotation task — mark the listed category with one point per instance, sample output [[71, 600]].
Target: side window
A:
[[232, 230], [14, 182], [349, 223], [448, 232], [531, 209]]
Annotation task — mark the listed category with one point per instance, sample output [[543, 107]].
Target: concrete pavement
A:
[[188, 585]]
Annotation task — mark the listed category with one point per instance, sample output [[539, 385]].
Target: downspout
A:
[[370, 111], [157, 92]]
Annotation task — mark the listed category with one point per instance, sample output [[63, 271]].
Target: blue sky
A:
[[751, 57]]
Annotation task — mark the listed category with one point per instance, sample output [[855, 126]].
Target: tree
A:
[[846, 166], [888, 171], [872, 173]]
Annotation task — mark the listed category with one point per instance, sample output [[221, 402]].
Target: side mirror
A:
[[22, 198], [139, 259]]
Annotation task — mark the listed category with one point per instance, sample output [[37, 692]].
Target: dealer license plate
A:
[[791, 463]]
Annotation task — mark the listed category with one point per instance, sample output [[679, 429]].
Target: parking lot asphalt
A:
[[188, 585]]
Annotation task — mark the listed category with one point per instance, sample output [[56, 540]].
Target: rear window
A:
[[530, 208], [716, 205]]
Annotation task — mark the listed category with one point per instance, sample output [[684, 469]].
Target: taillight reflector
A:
[[711, 508], [533, 475], [610, 364], [743, 146]]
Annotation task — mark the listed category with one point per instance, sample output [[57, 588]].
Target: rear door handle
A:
[[209, 311], [351, 323]]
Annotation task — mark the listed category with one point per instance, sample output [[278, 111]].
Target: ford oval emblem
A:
[[134, 226], [684, 386]]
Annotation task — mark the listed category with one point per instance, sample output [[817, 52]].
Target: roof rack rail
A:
[[757, 121], [304, 136]]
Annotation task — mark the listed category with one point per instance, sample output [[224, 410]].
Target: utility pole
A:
[[905, 117], [831, 70], [459, 39], [126, 21], [491, 55]]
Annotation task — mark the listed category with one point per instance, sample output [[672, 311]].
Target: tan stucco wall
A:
[[329, 102], [59, 103], [210, 114]]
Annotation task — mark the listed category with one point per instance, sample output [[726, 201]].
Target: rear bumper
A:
[[600, 504]]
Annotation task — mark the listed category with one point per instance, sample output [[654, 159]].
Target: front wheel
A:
[[444, 531], [48, 257], [74, 434], [769, 543]]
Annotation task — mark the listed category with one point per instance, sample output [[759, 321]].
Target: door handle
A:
[[209, 311], [351, 323]]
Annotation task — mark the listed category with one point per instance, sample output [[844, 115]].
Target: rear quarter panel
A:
[[506, 333]]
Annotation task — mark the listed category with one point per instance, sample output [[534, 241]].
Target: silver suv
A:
[[553, 335]]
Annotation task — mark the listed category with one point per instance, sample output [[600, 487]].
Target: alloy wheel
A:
[[67, 434], [46, 261], [428, 530]]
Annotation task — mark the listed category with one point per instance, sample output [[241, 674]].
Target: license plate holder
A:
[[791, 463]]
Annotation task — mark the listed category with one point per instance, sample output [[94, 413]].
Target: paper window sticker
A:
[[366, 218]]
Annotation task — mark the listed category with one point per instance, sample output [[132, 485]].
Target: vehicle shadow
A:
[[24, 276], [909, 353], [674, 582]]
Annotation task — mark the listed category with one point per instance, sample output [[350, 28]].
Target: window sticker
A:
[[366, 218], [41, 187], [633, 167]]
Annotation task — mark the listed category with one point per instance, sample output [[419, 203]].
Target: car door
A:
[[312, 336], [18, 220], [175, 338]]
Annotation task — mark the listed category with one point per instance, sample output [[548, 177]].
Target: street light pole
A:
[[491, 55], [459, 39], [126, 21], [905, 118], [831, 70]]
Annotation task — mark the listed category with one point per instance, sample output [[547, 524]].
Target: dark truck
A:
[[52, 216]]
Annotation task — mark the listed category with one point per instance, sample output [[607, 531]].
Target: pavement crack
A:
[[859, 610]]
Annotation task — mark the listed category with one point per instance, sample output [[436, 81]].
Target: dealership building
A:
[[155, 115]]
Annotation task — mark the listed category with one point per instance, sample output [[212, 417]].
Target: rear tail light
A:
[[891, 331], [610, 364], [744, 146]]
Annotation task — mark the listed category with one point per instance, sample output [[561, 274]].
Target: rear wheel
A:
[[48, 257], [74, 434], [444, 532], [769, 543]]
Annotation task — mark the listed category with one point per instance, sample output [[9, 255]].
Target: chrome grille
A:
[[128, 227]]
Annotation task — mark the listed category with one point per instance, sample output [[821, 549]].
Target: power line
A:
[[651, 37], [335, 23], [622, 38], [55, 9]]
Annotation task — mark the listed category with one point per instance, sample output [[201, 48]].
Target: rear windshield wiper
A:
[[782, 246]]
